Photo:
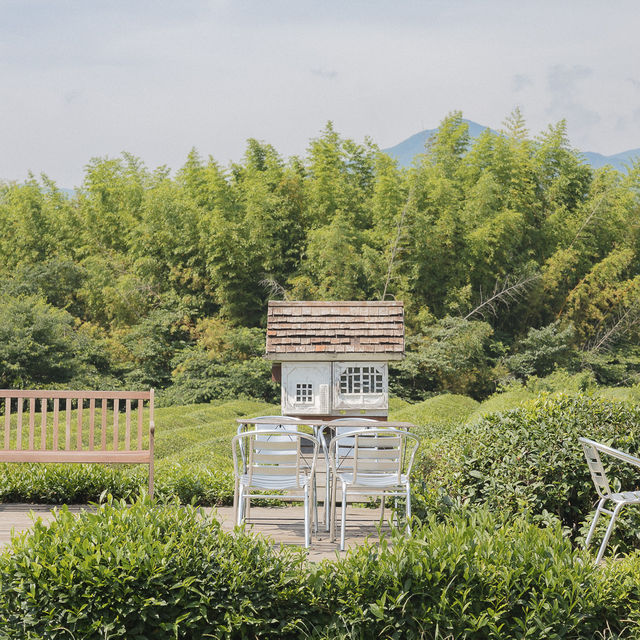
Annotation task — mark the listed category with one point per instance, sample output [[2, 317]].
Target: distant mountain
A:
[[408, 149], [619, 161]]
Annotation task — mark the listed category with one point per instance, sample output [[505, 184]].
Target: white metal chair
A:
[[269, 460], [337, 430], [375, 461], [276, 425], [592, 452]]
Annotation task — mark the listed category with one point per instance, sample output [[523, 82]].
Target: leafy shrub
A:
[[443, 410], [166, 571], [501, 402], [542, 351], [143, 571], [67, 483], [475, 577], [530, 458], [451, 355]]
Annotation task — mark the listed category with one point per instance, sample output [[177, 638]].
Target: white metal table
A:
[[319, 427]]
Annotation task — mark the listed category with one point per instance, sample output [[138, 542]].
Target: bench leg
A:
[[151, 480]]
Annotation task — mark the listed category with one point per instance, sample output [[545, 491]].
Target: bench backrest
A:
[[78, 426]]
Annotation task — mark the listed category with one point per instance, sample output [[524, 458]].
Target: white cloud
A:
[[155, 77]]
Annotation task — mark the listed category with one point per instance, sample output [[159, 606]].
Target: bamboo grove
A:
[[512, 255]]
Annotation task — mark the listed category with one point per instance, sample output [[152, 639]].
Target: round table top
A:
[[344, 422]]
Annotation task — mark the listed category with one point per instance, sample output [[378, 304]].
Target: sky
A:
[[155, 78]]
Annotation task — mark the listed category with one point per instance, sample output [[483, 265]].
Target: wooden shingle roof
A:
[[335, 330]]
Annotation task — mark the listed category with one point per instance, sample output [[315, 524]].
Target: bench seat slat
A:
[[37, 455]]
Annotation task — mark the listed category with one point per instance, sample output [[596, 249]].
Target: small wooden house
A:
[[331, 357]]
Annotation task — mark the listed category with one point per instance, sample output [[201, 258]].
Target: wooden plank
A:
[[103, 435], [79, 432], [116, 402], [32, 421], [19, 429], [127, 433], [7, 422], [92, 422], [25, 455], [67, 431], [140, 412], [64, 394], [43, 424], [56, 416]]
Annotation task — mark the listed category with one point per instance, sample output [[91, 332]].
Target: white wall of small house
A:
[[335, 388]]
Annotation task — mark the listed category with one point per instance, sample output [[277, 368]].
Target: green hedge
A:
[[167, 571], [529, 459]]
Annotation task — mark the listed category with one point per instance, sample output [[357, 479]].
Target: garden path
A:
[[282, 525]]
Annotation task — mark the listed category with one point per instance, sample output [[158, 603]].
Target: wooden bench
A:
[[30, 436]]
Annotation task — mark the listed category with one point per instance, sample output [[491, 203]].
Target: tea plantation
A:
[[503, 498]]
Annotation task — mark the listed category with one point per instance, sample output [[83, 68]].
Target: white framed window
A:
[[360, 385], [361, 379], [304, 392]]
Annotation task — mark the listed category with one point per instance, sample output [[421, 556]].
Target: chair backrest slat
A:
[[7, 422], [43, 424], [266, 458]]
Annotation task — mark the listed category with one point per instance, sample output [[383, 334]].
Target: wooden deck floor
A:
[[283, 525]]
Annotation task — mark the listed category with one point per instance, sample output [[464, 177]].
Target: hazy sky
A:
[[93, 78]]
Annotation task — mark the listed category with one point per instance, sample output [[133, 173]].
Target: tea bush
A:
[[474, 577], [166, 571], [140, 572], [529, 459]]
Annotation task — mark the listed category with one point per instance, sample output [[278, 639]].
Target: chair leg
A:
[[382, 509], [306, 516], [240, 507], [327, 498], [408, 508], [596, 517], [314, 504], [247, 509], [607, 535], [344, 516], [333, 501], [236, 485]]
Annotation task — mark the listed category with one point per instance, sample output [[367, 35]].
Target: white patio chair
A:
[[375, 467], [592, 452], [344, 451], [275, 462], [276, 425]]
